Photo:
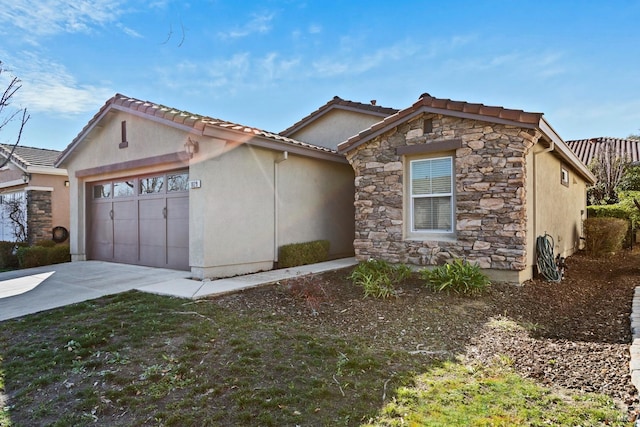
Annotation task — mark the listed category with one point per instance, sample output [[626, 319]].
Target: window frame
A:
[[411, 230], [564, 175]]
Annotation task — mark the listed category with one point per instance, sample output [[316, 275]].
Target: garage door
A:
[[141, 220]]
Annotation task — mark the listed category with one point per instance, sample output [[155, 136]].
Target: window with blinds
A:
[[432, 195]]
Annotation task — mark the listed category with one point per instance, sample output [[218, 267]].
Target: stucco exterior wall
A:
[[335, 127], [232, 214], [256, 201], [316, 202], [558, 209]]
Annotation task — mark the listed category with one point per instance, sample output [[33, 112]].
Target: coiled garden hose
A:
[[545, 260]]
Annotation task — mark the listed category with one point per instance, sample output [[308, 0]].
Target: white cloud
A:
[[129, 31], [260, 24], [348, 63], [48, 87], [47, 17], [315, 29], [230, 75], [531, 64]]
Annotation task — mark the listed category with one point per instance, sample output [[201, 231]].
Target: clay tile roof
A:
[[184, 118], [339, 103], [428, 103], [30, 156], [587, 149]]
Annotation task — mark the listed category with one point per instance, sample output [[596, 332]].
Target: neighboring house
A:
[[444, 179], [34, 195], [588, 149], [336, 121], [157, 186]]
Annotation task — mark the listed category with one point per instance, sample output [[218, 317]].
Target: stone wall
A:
[[39, 222], [490, 211]]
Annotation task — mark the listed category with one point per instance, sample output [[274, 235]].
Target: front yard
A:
[[313, 351]]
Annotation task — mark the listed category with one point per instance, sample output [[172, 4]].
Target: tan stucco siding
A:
[[559, 209], [232, 213], [145, 139], [239, 232], [316, 202], [335, 127]]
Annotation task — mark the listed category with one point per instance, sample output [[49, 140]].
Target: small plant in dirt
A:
[[459, 276], [378, 277], [310, 291]]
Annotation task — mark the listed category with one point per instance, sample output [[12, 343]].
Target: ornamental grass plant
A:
[[459, 276], [378, 277]]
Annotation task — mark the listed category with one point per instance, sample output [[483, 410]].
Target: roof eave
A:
[[408, 114], [565, 153], [84, 133], [236, 136]]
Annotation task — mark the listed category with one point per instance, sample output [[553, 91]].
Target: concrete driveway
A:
[[37, 289], [33, 290]]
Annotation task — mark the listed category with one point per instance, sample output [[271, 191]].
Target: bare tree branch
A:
[[6, 118]]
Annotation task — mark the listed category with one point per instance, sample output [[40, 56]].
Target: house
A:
[[34, 195], [158, 186], [447, 179], [336, 121], [588, 149]]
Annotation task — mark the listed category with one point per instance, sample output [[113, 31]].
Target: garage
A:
[[141, 220]]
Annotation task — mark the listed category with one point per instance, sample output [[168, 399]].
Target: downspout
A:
[[276, 205]]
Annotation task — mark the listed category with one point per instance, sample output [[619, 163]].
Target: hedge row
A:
[[605, 236], [20, 255], [625, 209], [303, 253]]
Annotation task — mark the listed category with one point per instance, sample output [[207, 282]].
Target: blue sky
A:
[[269, 63]]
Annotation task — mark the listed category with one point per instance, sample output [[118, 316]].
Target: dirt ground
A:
[[571, 335]]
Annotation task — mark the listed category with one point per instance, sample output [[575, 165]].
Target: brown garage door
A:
[[142, 220]]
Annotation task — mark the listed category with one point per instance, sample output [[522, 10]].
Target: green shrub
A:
[[296, 254], [32, 256], [624, 209], [604, 235], [8, 256], [378, 277], [459, 276], [36, 256], [59, 254], [45, 243]]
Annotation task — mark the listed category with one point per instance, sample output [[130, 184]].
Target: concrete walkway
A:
[[33, 290], [634, 364]]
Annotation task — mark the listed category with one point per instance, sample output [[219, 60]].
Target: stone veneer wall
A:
[[39, 216], [490, 197]]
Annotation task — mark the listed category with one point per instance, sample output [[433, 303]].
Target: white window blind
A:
[[432, 194]]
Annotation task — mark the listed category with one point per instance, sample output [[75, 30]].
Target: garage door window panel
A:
[[177, 182], [102, 191], [152, 185], [123, 189]]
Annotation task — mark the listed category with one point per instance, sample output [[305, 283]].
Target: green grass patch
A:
[[140, 359], [457, 395]]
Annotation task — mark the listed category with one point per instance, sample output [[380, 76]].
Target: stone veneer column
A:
[[39, 216], [490, 180]]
